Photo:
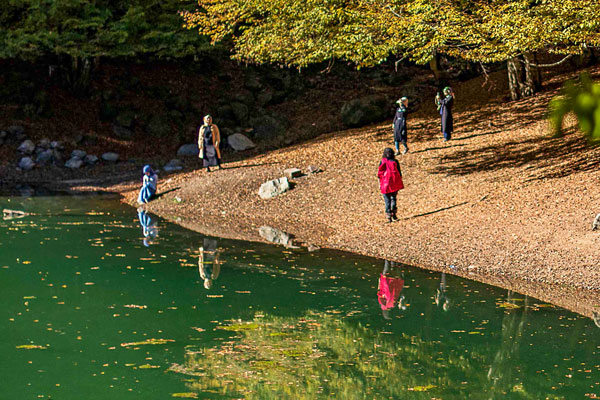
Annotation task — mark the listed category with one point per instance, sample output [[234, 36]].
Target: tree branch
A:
[[553, 64]]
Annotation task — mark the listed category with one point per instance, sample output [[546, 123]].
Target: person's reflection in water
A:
[[149, 228], [441, 299], [209, 265], [390, 288]]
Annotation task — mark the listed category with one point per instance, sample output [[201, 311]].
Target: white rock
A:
[[26, 163], [274, 188], [91, 159], [74, 163], [78, 154], [110, 157], [27, 147], [292, 173], [240, 142]]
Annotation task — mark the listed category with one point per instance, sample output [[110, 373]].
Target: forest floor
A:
[[503, 202]]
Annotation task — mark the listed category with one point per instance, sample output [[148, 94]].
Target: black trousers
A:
[[390, 202]]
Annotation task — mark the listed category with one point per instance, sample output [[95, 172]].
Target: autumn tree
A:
[[367, 32], [75, 34]]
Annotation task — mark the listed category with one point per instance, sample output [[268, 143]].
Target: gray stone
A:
[[274, 188], [44, 143], [188, 150], [78, 154], [26, 163], [16, 130], [276, 236], [27, 147], [91, 159], [292, 173], [267, 127], [74, 163], [240, 112], [365, 110], [596, 224], [173, 165], [110, 157], [45, 157], [122, 132], [313, 170], [240, 142], [56, 145]]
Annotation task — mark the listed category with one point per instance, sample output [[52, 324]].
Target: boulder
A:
[[17, 131], [110, 157], [78, 154], [44, 143], [313, 170], [276, 236], [267, 127], [27, 147], [596, 223], [173, 165], [91, 159], [240, 142], [122, 132], [365, 110], [45, 157], [274, 188], [56, 145], [74, 163], [26, 163], [240, 112], [292, 173], [188, 150]]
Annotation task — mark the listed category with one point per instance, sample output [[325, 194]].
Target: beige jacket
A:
[[216, 137]]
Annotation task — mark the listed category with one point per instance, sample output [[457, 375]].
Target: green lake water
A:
[[96, 307]]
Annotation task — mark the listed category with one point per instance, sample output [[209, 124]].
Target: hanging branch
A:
[[553, 64]]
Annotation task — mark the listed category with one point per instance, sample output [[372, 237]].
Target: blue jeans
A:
[[390, 202]]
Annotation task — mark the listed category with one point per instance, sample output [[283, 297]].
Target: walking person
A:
[[444, 106], [209, 139], [390, 182], [399, 125], [149, 184]]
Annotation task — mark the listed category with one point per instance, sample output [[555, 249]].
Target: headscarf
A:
[[148, 168]]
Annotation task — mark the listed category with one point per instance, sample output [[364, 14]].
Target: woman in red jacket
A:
[[390, 182]]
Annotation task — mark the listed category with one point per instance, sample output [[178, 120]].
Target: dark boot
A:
[[394, 216], [389, 217]]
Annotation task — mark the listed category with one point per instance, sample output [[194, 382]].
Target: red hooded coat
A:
[[390, 177]]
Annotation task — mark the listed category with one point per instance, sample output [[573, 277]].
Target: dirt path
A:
[[503, 202]]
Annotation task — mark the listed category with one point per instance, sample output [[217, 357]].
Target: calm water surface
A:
[[97, 306]]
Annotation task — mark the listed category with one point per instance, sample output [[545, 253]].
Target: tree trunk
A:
[[78, 74], [434, 64], [523, 78]]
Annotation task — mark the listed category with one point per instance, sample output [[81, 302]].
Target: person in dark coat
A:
[[399, 125], [390, 182], [445, 107]]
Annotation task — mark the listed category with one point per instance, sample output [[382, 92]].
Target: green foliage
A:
[[30, 29], [583, 99], [366, 32]]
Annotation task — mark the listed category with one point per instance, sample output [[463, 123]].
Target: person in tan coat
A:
[[209, 139]]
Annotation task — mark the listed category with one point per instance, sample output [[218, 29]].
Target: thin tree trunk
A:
[[513, 66], [434, 64]]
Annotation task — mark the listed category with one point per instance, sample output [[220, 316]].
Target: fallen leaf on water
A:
[[185, 395], [212, 296], [135, 306], [31, 347], [149, 341], [198, 329]]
